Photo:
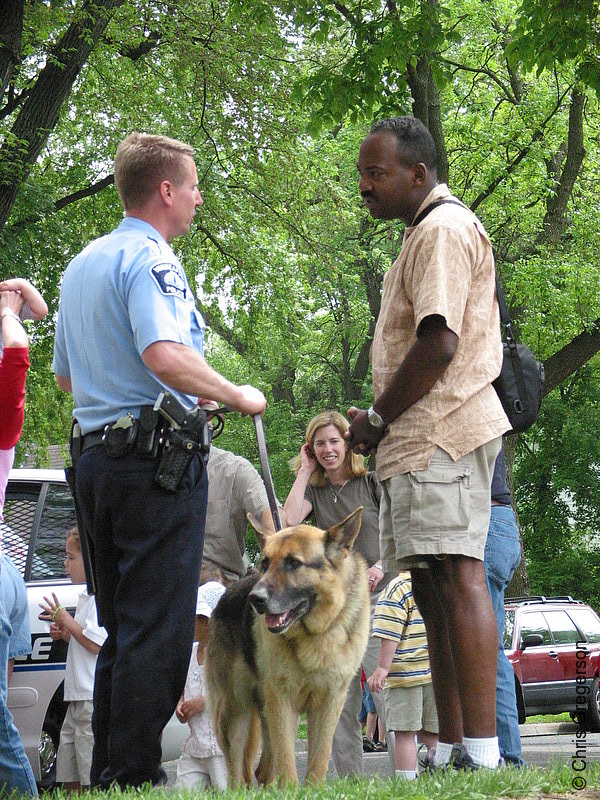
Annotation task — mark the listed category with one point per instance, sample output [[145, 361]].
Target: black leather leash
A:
[[263, 455], [266, 470]]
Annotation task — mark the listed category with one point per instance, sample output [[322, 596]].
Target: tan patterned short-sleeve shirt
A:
[[445, 268]]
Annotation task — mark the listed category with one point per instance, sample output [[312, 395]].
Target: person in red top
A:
[[17, 298]]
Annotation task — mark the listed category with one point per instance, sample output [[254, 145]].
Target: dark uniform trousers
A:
[[148, 551]]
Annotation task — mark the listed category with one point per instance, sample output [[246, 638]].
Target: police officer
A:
[[127, 329]]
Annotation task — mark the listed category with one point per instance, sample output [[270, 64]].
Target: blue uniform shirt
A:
[[122, 293]]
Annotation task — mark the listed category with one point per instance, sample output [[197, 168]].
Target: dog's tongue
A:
[[276, 620]]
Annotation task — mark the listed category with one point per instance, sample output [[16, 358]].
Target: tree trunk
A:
[[437, 130], [40, 111], [418, 82], [426, 107], [11, 16], [555, 220], [283, 386]]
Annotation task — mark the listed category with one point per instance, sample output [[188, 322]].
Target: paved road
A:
[[541, 744]]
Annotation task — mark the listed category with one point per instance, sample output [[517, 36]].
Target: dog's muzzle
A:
[[278, 616], [259, 599]]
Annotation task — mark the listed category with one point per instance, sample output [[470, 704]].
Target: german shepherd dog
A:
[[284, 642]]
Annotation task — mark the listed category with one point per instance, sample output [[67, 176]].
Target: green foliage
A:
[[287, 265], [545, 35], [558, 492], [363, 50]]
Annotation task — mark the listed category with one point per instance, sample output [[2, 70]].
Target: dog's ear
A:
[[262, 533], [340, 538]]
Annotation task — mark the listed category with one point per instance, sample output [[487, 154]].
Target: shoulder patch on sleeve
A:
[[170, 279]]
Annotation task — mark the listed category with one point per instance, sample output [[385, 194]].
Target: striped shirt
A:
[[397, 617]]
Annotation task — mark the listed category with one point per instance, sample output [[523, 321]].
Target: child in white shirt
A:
[[202, 762], [85, 638]]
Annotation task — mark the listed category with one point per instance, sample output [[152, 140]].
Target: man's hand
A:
[[377, 679], [374, 574], [362, 436], [252, 400]]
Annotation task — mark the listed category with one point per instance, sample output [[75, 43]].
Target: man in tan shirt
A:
[[437, 425]]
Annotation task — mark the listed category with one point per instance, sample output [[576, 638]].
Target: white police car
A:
[[38, 512]]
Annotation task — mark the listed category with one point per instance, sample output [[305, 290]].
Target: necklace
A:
[[337, 494]]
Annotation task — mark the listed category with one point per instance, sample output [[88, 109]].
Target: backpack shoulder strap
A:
[[420, 217]]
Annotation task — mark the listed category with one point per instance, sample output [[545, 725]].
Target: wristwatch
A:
[[375, 419]]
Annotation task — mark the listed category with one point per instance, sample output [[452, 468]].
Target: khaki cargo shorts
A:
[[439, 511], [410, 708]]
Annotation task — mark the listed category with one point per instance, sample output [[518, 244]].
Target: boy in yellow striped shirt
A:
[[403, 673]]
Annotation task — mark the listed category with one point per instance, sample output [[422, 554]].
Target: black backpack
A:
[[519, 385]]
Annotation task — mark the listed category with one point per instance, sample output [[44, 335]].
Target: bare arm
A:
[[386, 655], [29, 293], [13, 332], [296, 507], [424, 365], [187, 371], [54, 613], [64, 383]]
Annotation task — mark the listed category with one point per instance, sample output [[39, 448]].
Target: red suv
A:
[[553, 644]]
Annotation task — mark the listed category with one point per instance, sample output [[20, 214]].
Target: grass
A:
[[532, 782], [538, 718]]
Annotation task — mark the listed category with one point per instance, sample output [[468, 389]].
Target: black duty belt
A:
[[92, 439]]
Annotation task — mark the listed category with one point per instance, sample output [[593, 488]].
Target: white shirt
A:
[[81, 663]]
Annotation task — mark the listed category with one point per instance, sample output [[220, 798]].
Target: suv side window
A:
[[37, 517], [509, 626], [562, 627], [535, 622], [587, 622], [58, 517]]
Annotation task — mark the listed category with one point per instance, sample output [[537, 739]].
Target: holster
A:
[[148, 433], [179, 447], [87, 545], [120, 437]]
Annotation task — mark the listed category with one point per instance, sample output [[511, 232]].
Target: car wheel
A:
[[592, 717], [520, 702], [48, 750]]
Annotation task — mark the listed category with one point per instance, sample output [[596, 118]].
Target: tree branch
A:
[[484, 71], [571, 357], [89, 191], [13, 102], [214, 321], [537, 134]]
